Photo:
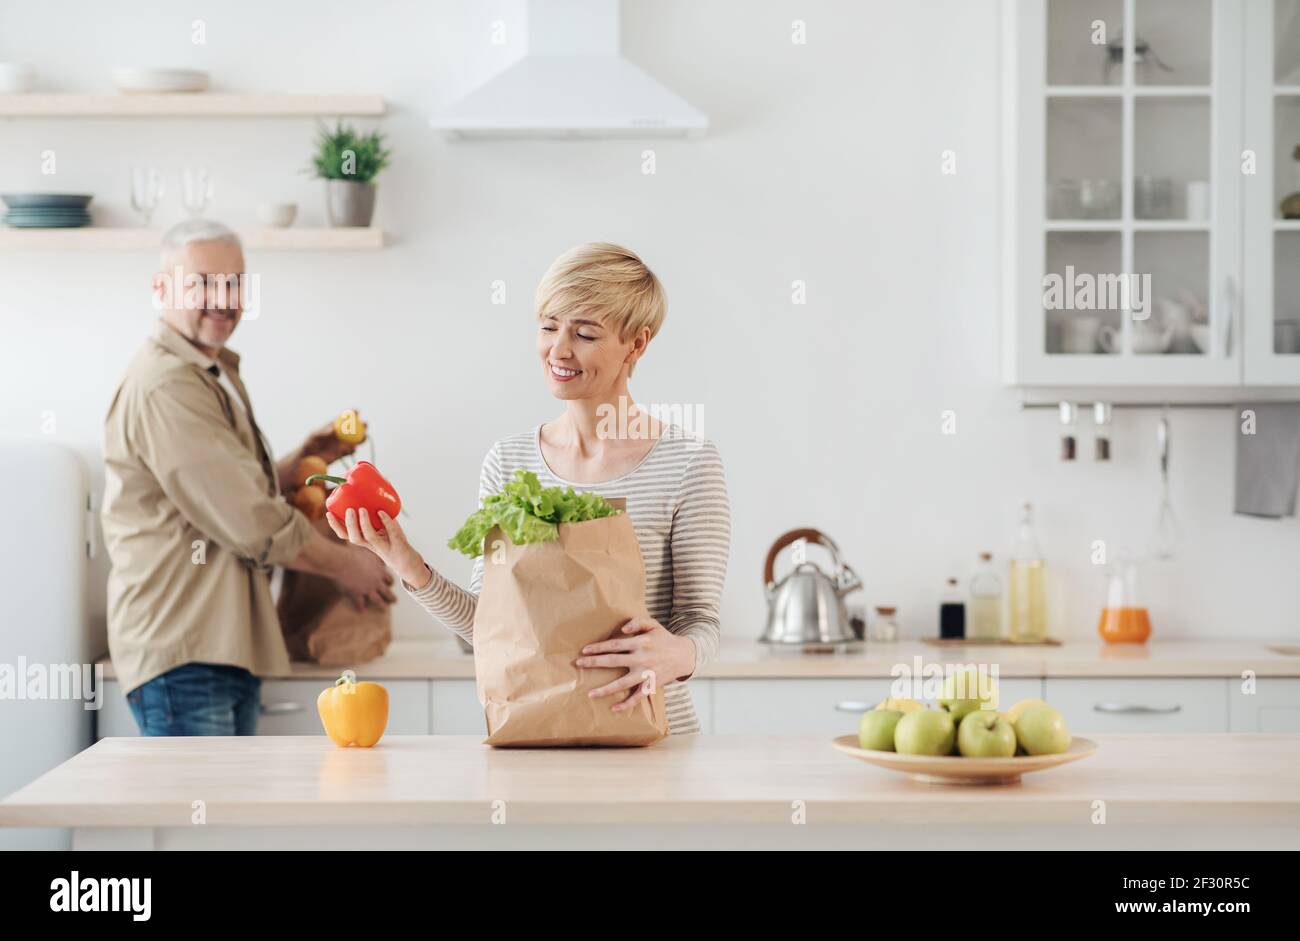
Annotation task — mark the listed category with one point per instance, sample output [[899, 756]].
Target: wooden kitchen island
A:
[[692, 792]]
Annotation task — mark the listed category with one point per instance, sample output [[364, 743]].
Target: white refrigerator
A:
[[48, 643]]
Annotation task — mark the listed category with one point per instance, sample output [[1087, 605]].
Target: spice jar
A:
[[1069, 438], [1101, 418], [884, 628]]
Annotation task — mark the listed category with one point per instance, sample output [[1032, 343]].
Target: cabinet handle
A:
[[280, 708], [1118, 709], [1230, 314], [852, 706]]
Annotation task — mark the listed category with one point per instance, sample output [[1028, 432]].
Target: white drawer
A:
[[1274, 706], [831, 706], [288, 708], [789, 706], [1140, 704], [454, 708]]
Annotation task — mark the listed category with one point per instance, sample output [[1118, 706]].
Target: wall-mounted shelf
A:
[[104, 239], [187, 105], [1181, 397]]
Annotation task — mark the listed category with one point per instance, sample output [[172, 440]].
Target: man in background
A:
[[194, 521]]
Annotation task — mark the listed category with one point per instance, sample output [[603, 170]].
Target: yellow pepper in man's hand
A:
[[349, 428], [353, 713]]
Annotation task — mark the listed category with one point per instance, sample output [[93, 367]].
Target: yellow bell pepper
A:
[[349, 428], [353, 713]]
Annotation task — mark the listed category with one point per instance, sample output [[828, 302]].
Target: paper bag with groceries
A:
[[320, 625], [547, 592]]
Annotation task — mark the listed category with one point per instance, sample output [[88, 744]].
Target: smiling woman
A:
[[598, 308]]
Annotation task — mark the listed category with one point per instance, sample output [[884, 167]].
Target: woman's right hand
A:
[[390, 545]]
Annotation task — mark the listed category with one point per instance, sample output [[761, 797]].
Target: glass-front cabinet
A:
[[1150, 150], [1272, 197]]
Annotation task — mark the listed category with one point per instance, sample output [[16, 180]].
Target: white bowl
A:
[[277, 215], [15, 77], [159, 81]]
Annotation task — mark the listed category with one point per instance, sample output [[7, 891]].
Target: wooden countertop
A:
[[738, 658], [1201, 780]]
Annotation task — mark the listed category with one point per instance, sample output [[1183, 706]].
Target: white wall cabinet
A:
[[1272, 242], [1144, 245]]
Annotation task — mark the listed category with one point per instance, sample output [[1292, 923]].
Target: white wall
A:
[[823, 164]]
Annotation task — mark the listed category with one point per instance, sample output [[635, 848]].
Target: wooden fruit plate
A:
[[954, 769]]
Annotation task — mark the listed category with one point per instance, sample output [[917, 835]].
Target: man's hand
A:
[[325, 444], [365, 579], [322, 443]]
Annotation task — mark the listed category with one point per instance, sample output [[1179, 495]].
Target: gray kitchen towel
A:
[[1268, 459]]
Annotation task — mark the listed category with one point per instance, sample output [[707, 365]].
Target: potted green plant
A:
[[348, 162]]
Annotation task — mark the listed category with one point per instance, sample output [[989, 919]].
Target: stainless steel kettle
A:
[[807, 606]]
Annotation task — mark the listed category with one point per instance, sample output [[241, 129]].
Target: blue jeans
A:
[[198, 699]]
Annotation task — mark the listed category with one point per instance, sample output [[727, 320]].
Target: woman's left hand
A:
[[651, 654]]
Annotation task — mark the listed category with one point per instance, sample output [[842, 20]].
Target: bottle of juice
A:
[[1028, 608], [1124, 620], [984, 619]]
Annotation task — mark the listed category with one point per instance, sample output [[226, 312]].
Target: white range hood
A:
[[572, 83]]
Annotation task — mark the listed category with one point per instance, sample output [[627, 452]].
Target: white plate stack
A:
[[159, 81]]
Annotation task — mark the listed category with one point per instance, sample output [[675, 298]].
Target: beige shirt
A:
[[193, 520]]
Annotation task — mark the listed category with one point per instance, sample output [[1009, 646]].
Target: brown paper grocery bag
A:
[[321, 626], [539, 605]]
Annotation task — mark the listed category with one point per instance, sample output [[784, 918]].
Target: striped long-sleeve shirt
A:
[[677, 499]]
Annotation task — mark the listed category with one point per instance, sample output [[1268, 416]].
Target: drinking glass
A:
[[147, 188], [197, 189]]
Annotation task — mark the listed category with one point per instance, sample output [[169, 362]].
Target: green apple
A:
[[1014, 712], [986, 734], [925, 732], [876, 729], [967, 690], [902, 705], [1041, 730]]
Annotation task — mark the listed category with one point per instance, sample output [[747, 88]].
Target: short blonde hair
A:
[[607, 281]]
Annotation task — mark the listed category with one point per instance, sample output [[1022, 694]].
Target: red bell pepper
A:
[[363, 489]]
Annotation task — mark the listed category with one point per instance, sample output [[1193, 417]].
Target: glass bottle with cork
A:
[[984, 619], [1028, 609]]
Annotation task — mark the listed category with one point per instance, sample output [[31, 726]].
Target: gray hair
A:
[[195, 230]]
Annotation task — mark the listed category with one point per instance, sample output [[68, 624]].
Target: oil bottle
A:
[[1028, 594]]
